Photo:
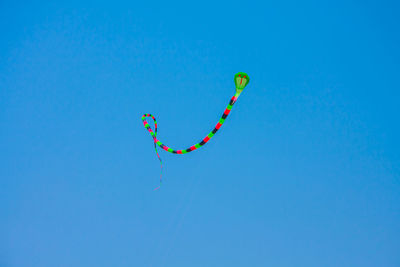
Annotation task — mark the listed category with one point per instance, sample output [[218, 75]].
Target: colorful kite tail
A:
[[241, 80]]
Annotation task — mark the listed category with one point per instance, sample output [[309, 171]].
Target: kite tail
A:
[[193, 147]]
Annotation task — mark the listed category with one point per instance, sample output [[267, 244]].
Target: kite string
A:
[[159, 158]]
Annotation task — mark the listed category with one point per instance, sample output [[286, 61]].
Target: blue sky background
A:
[[305, 171]]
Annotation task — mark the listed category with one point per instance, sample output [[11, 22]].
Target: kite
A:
[[241, 80]]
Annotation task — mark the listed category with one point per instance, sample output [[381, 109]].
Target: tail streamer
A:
[[241, 80]]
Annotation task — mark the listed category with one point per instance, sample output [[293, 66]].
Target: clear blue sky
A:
[[305, 171]]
